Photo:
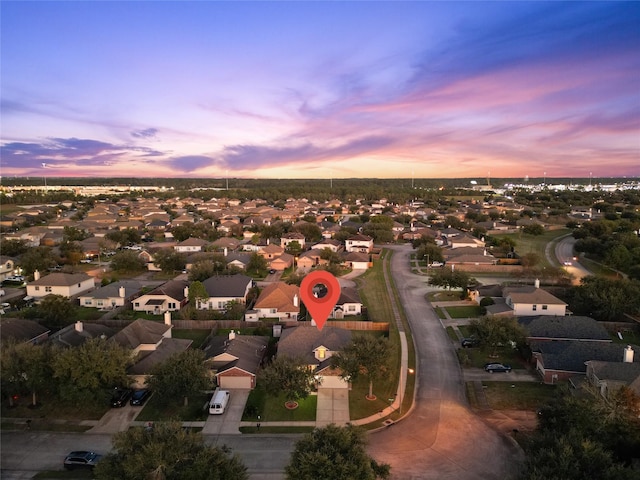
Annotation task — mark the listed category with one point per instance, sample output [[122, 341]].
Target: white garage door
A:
[[234, 382]]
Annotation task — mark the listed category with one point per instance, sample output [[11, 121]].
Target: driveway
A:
[[441, 438], [333, 406], [116, 420], [229, 422]]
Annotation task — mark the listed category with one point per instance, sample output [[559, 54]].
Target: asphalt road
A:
[[25, 454], [441, 438], [564, 253]]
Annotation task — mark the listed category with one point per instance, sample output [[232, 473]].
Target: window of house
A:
[[273, 310], [48, 289], [87, 301], [544, 307], [100, 303], [137, 304], [352, 308], [37, 288], [78, 285], [222, 305], [534, 308], [321, 353], [172, 305]]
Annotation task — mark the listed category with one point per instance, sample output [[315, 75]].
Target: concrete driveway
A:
[[333, 406], [229, 422], [116, 420]]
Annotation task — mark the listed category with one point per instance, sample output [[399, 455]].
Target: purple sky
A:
[[320, 89]]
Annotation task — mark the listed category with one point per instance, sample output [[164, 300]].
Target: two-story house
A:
[[68, 285], [532, 300], [359, 243]]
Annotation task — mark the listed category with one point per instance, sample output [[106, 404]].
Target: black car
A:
[[120, 397], [139, 397], [81, 459], [469, 342], [497, 367]]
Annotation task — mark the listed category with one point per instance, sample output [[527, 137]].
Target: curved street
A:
[[441, 438]]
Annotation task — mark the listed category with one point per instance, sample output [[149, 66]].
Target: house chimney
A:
[[295, 300], [226, 251], [79, 327], [537, 283], [628, 355], [186, 292], [36, 275], [232, 335], [267, 241], [167, 317], [121, 292]]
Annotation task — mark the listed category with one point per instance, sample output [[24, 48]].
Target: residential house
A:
[[464, 240], [278, 300], [349, 303], [224, 289], [316, 347], [532, 300], [310, 259], [22, 331], [77, 333], [356, 260], [289, 238], [359, 243], [608, 377], [270, 251], [238, 260], [168, 297], [331, 244], [150, 344], [7, 267], [68, 285], [558, 361], [110, 296], [191, 245], [282, 262], [564, 328], [236, 359]]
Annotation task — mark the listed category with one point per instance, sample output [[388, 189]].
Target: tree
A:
[[533, 229], [24, 367], [13, 248], [168, 260], [87, 372], [127, 261], [197, 293], [37, 258], [56, 311], [181, 375], [334, 453], [366, 356], [257, 263], [167, 451], [128, 236], [74, 234], [444, 277], [530, 260], [496, 331], [288, 376], [606, 299], [294, 248]]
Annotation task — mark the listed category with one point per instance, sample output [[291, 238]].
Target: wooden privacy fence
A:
[[241, 324]]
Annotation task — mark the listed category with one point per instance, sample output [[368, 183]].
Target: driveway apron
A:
[[333, 406], [229, 421]]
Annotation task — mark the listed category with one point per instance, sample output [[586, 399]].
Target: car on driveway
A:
[[138, 397], [81, 459], [120, 396], [497, 367]]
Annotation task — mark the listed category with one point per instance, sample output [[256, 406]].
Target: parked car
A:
[[469, 342], [81, 459], [120, 397], [436, 264], [140, 396], [497, 367]]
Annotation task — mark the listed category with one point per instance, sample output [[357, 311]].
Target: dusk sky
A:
[[320, 89]]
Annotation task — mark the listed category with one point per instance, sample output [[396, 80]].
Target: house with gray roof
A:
[[349, 303], [68, 285], [22, 331], [236, 359], [316, 347], [111, 296], [608, 377], [532, 300], [568, 328], [168, 297], [79, 332], [224, 289], [557, 361]]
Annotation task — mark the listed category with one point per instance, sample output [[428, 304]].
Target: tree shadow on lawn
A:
[[155, 410]]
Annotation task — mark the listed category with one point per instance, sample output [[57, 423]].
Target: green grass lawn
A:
[[452, 334], [628, 337], [518, 395], [478, 357], [272, 409], [195, 411], [465, 330], [440, 312], [535, 243], [198, 336], [444, 296], [50, 408], [463, 311]]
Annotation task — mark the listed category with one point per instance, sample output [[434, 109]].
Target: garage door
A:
[[234, 382]]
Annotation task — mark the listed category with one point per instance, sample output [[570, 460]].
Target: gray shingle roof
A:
[[301, 341], [61, 279], [147, 360], [227, 285], [139, 332], [570, 356], [113, 289], [565, 327]]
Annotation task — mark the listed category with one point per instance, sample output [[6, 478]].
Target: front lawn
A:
[[444, 296], [478, 357], [471, 311], [197, 336], [197, 410], [518, 395], [272, 409], [360, 407], [50, 408]]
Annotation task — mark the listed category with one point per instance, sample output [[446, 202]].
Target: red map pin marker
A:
[[320, 303]]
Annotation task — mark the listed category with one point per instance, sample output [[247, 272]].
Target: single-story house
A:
[[23, 331], [236, 359], [348, 304], [191, 245], [356, 260], [79, 332], [112, 295], [282, 262], [568, 328], [168, 297], [223, 289], [608, 377], [278, 300]]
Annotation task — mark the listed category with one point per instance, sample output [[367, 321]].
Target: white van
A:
[[218, 402]]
